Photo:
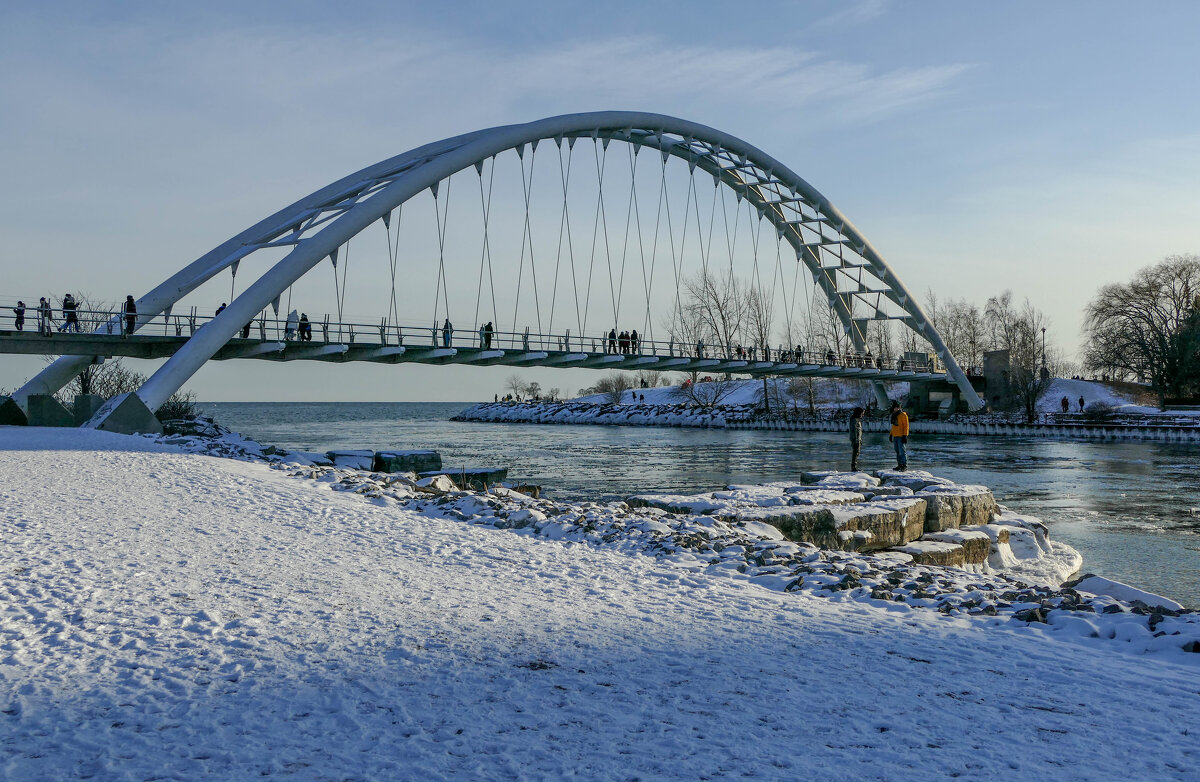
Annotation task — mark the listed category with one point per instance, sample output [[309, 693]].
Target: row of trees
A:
[[1148, 329], [1001, 324]]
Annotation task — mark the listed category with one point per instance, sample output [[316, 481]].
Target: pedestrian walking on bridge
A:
[[130, 314], [19, 311], [45, 317]]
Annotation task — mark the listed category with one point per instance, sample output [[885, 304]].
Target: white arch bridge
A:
[[759, 274]]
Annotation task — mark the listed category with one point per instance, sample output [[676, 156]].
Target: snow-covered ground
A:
[[834, 393], [828, 393], [170, 615]]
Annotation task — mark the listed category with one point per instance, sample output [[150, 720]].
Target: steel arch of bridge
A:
[[316, 226]]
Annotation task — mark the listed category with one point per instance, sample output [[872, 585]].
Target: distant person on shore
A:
[[899, 435], [855, 437], [1081, 404], [130, 314], [19, 311], [1066, 405]]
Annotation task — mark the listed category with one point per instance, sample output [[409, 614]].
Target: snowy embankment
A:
[[165, 614]]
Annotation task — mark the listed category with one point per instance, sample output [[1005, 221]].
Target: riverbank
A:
[[167, 613], [748, 417]]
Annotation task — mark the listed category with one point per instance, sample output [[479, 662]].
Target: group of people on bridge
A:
[[70, 315], [626, 343]]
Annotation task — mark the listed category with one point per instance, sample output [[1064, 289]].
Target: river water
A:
[[1132, 509]]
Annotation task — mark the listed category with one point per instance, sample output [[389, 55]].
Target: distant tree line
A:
[[1148, 329]]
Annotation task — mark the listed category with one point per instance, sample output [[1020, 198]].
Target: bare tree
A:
[[962, 327], [708, 391], [1029, 374], [649, 378], [516, 384], [719, 306], [613, 387], [1145, 328]]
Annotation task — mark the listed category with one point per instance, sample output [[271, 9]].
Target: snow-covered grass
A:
[[828, 393], [170, 615], [832, 393]]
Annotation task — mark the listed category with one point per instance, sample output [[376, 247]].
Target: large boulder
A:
[[891, 522], [934, 552], [976, 544], [407, 461], [950, 507], [355, 460]]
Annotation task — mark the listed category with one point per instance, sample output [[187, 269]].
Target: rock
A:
[[943, 511], [934, 552], [1096, 585], [976, 544], [407, 461], [887, 491], [951, 507], [355, 460], [439, 484], [916, 480], [478, 478], [1030, 615]]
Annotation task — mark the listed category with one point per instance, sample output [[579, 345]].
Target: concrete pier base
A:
[[86, 406], [125, 414], [45, 410], [11, 413]]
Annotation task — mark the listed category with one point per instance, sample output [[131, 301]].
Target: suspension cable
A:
[[601, 162], [564, 229], [441, 216], [648, 282]]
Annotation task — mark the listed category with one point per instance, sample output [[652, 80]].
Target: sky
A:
[[1044, 148]]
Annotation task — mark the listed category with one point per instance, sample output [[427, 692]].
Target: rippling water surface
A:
[[1132, 509]]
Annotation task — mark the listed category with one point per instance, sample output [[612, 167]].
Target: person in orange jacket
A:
[[899, 435]]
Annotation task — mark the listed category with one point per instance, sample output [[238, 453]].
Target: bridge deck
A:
[[150, 346]]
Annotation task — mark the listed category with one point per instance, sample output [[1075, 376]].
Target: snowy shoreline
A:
[[168, 614], [1021, 578], [744, 417]]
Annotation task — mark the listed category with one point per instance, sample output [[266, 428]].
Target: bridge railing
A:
[[264, 328]]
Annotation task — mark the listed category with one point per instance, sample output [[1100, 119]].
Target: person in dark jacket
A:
[[45, 316], [855, 437], [305, 328], [130, 315], [70, 314], [19, 311]]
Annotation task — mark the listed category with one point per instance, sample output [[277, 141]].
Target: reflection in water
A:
[[1132, 509]]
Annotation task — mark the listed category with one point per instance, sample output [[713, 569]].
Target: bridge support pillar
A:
[[11, 413], [125, 414], [45, 410], [86, 406], [881, 397]]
